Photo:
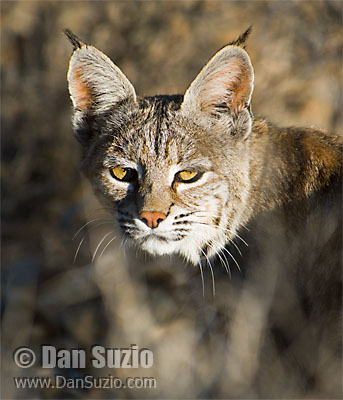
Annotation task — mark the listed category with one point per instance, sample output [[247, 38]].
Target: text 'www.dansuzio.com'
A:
[[86, 382]]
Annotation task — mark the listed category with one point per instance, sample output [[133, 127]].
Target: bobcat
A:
[[185, 174]]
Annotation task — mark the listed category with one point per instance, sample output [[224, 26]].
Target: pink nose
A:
[[152, 218]]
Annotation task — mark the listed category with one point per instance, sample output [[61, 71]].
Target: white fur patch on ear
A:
[[95, 83], [226, 82]]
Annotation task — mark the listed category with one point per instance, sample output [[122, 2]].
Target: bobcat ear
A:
[[224, 84], [95, 83]]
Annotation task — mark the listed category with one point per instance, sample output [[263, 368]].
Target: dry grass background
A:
[[296, 50]]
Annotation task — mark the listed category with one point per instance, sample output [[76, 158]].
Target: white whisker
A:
[[103, 250], [212, 273], [224, 262], [221, 249], [101, 241], [108, 220], [232, 233], [222, 229], [78, 249], [82, 240], [202, 279], [233, 258], [236, 246]]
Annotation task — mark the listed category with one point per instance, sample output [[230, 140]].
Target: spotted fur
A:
[[245, 165]]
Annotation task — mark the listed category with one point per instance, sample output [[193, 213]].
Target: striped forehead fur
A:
[[151, 132]]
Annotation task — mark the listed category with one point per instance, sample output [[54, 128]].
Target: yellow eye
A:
[[123, 174], [188, 176], [118, 173]]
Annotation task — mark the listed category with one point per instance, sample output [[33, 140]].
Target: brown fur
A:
[[284, 184]]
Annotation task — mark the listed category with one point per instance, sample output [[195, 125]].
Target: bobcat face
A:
[[174, 169], [162, 181]]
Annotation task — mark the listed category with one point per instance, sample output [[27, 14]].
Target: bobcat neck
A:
[[290, 164]]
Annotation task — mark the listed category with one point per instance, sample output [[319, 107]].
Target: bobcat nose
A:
[[152, 218]]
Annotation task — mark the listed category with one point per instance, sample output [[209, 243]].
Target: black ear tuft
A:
[[75, 41], [240, 41]]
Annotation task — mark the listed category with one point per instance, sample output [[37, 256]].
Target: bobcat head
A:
[[174, 169]]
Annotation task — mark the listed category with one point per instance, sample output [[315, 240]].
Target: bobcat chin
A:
[[184, 173]]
